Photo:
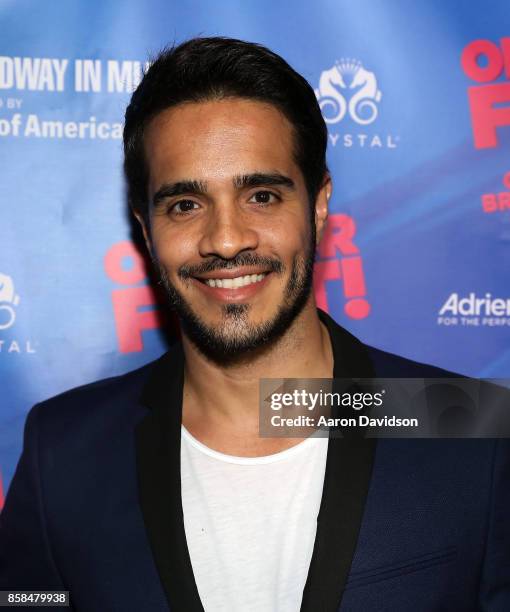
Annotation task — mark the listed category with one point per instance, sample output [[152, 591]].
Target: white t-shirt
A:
[[250, 523]]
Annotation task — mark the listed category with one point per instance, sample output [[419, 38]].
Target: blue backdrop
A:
[[417, 100]]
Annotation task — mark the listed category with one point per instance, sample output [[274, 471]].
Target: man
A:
[[154, 490]]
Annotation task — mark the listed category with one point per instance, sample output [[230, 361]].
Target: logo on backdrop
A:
[[349, 92], [9, 301], [135, 302], [19, 75], [497, 202], [137, 309], [474, 311], [488, 64], [348, 87], [339, 259]]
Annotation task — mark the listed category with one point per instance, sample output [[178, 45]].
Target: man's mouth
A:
[[234, 283]]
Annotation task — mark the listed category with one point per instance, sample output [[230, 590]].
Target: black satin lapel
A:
[[158, 454], [346, 483], [350, 355]]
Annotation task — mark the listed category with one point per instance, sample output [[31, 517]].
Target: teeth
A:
[[234, 283]]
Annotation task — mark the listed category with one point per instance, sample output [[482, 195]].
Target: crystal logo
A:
[[474, 311], [348, 87], [349, 94], [8, 301]]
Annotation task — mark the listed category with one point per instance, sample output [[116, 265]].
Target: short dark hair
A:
[[213, 68]]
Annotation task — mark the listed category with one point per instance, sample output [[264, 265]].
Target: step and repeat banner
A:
[[416, 97]]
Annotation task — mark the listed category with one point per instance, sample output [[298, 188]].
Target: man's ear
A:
[[143, 221], [321, 207]]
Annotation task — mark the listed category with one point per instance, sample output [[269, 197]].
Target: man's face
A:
[[230, 224]]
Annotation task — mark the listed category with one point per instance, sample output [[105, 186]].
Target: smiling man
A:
[[155, 490]]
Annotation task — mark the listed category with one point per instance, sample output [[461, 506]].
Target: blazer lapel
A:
[[158, 452], [346, 482]]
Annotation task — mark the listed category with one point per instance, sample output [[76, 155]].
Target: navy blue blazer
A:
[[404, 525]]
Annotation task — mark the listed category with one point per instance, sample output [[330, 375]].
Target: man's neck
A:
[[221, 403]]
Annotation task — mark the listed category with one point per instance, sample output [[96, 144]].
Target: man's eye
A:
[[183, 206], [264, 197]]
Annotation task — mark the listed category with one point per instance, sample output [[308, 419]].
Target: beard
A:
[[235, 338]]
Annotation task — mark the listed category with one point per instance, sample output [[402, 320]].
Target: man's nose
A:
[[227, 232]]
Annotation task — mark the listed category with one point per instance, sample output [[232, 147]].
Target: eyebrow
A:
[[262, 179], [243, 181], [169, 190]]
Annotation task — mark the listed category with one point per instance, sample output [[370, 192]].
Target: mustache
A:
[[242, 259]]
